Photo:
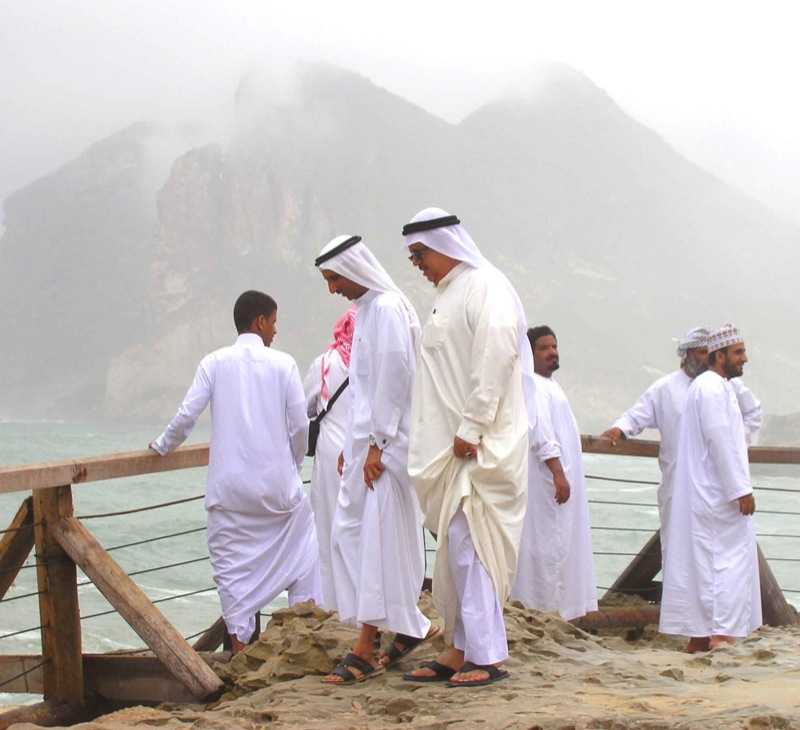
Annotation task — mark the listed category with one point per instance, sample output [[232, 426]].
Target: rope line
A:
[[22, 595], [24, 673], [20, 528], [139, 509]]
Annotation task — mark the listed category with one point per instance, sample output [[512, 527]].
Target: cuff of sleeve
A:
[[159, 446], [381, 440], [470, 431], [551, 451]]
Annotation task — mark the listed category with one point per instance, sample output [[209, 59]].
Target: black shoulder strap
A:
[[333, 399]]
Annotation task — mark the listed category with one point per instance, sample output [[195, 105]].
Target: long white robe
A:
[[261, 535], [661, 407], [377, 550], [555, 570], [711, 581], [469, 384], [325, 479]]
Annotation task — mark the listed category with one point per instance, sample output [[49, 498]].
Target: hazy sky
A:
[[718, 79]]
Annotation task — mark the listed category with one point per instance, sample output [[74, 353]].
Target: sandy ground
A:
[[561, 678]]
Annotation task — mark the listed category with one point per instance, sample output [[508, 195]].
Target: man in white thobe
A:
[[555, 570], [324, 380], [469, 443], [661, 407], [711, 582], [261, 535], [377, 550]]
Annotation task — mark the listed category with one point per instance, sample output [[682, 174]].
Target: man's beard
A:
[[693, 368], [553, 366], [732, 371]]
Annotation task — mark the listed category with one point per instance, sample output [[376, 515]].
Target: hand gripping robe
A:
[[711, 582], [261, 535], [555, 570], [661, 406], [377, 550], [325, 376], [471, 367]]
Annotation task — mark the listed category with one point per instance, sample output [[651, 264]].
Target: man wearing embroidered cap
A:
[[661, 406], [711, 583], [377, 552], [472, 409]]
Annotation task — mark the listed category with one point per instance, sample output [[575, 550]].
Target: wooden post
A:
[[213, 636], [135, 607], [42, 714], [58, 600], [775, 609], [16, 545], [637, 578]]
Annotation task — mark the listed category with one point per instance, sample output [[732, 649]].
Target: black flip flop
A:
[[495, 675], [408, 644], [356, 662], [441, 673]]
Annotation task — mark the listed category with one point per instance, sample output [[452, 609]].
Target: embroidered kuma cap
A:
[[723, 337]]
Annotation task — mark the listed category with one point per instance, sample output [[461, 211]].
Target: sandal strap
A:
[[340, 670], [355, 661], [440, 670], [490, 669]]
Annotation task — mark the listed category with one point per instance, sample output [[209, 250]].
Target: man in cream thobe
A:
[[377, 551], [555, 570], [469, 443], [711, 582], [661, 406], [326, 375], [261, 535]]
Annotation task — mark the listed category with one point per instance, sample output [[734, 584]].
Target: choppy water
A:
[[22, 443]]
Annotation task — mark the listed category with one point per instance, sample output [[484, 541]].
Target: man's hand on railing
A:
[[613, 435]]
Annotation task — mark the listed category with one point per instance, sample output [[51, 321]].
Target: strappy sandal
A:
[[495, 675], [441, 673], [407, 645], [342, 669]]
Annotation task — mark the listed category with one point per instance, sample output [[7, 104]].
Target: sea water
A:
[[36, 442]]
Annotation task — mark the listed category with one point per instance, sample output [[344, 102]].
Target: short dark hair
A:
[[250, 305], [712, 356], [534, 333]]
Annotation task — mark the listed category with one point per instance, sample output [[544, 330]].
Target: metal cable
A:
[[158, 600], [152, 570], [155, 539], [771, 534], [22, 595], [624, 504], [21, 631], [139, 509], [655, 484], [629, 555], [624, 529], [20, 528], [26, 672]]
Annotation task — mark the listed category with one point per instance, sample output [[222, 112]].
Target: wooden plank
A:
[[614, 617], [59, 612], [115, 677], [135, 607], [775, 609], [213, 637], [636, 579], [16, 545], [111, 466], [43, 714]]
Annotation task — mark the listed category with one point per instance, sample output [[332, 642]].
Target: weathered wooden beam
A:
[[135, 607], [615, 617], [59, 612], [775, 609], [139, 679], [111, 466], [213, 637], [43, 714], [637, 578], [16, 545]]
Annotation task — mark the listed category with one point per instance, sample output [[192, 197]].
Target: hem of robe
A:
[[705, 630]]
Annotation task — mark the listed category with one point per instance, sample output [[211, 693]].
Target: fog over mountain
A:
[[119, 270]]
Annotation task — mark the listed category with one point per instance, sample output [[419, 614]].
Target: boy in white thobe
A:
[[377, 551], [555, 570], [261, 535], [661, 407], [469, 443], [326, 376], [711, 582]]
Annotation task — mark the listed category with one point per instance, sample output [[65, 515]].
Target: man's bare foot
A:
[[697, 643], [474, 675], [719, 640], [450, 657], [237, 646]]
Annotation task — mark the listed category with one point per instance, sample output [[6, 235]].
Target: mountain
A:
[[116, 278]]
